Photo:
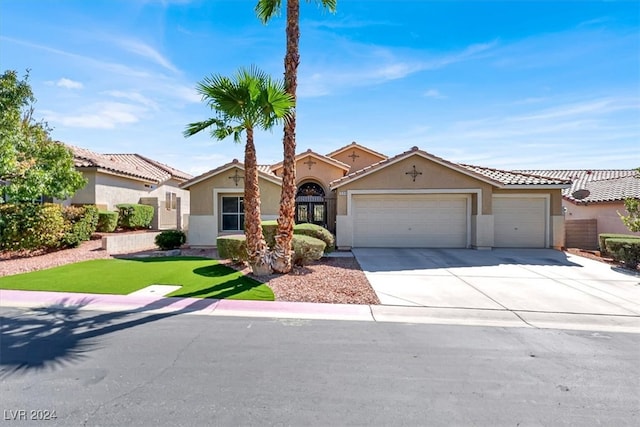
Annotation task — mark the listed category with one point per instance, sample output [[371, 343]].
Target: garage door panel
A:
[[520, 222], [410, 221]]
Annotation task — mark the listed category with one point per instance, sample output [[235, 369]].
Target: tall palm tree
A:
[[248, 100], [266, 9]]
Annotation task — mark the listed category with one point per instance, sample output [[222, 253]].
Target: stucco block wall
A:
[[201, 193], [605, 213], [128, 243], [363, 160]]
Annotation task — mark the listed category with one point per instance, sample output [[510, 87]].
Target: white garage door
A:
[[410, 221], [519, 222]]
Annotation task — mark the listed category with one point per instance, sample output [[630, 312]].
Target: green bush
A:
[[107, 221], [306, 249], [170, 239], [625, 250], [134, 216], [29, 226], [233, 247], [605, 236], [269, 230], [317, 231], [80, 224]]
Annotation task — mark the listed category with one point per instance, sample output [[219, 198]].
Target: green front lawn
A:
[[199, 278]]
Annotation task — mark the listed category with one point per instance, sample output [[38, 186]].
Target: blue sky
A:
[[505, 84]]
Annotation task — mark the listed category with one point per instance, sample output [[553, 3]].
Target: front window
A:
[[171, 200], [232, 213]]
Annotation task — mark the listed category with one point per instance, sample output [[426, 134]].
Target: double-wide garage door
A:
[[410, 221]]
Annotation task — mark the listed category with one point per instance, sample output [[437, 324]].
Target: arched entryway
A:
[[311, 206]]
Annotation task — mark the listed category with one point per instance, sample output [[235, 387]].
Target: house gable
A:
[[311, 166], [356, 156]]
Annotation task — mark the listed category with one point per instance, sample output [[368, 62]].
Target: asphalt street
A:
[[97, 368]]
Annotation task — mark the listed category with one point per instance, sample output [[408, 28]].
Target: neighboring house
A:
[[594, 211], [132, 178], [414, 199]]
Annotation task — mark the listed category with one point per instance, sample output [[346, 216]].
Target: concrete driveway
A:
[[516, 280]]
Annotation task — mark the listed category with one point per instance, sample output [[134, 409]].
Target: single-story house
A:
[[593, 202], [413, 199], [131, 178]]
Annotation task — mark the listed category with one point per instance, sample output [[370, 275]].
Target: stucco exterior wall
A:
[[201, 193], [605, 213], [320, 172], [434, 176], [87, 194], [363, 160]]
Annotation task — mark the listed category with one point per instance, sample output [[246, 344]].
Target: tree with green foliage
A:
[[632, 206], [31, 163], [266, 9], [249, 100]]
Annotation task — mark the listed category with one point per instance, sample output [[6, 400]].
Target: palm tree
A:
[[248, 100], [266, 9]]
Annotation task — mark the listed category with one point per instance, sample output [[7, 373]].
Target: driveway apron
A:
[[535, 280]]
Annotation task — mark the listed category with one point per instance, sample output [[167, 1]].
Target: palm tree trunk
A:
[[256, 245], [281, 262]]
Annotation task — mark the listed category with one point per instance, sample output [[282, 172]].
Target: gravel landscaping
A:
[[330, 280]]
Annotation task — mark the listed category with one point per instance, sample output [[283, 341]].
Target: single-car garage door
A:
[[410, 220], [519, 222]]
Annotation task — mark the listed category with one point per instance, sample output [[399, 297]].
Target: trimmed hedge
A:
[[602, 238], [269, 230], [81, 222], [306, 249], [28, 226], [170, 239], [625, 250], [318, 232], [107, 221], [134, 216]]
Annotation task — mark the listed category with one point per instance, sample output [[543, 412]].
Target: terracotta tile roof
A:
[[497, 177], [263, 170], [133, 165], [604, 185], [515, 178]]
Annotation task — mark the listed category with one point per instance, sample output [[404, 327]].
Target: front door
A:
[[310, 204]]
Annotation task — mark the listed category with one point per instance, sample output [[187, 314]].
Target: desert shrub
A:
[[605, 236], [318, 232], [233, 247], [107, 221], [28, 226], [134, 216], [625, 250], [170, 239], [269, 230], [306, 249], [80, 224]]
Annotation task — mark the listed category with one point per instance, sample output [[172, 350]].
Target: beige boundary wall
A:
[[127, 243]]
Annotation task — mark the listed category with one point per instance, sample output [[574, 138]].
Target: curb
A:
[[318, 311]]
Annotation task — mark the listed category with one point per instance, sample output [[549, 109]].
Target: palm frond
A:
[[266, 9], [330, 5], [196, 127]]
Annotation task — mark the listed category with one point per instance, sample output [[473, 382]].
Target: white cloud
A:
[[133, 96], [69, 84], [146, 51], [104, 115], [434, 93]]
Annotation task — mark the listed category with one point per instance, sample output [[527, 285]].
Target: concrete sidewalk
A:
[[496, 317]]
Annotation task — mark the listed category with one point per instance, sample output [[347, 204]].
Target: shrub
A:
[[306, 249], [107, 221], [625, 250], [134, 216], [605, 236], [318, 232], [269, 230], [170, 239], [233, 247], [28, 226], [80, 224]]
